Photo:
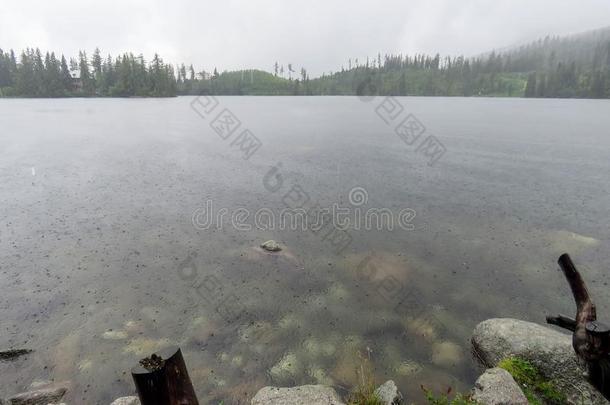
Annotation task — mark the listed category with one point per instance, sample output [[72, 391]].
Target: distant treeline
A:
[[574, 66], [35, 75]]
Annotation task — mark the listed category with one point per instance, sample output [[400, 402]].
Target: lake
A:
[[128, 225]]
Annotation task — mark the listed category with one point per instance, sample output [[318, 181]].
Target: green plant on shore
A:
[[364, 394], [459, 399], [536, 388]]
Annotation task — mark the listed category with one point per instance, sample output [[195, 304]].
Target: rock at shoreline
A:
[[497, 387], [126, 401], [547, 349], [44, 396], [271, 246], [388, 394], [304, 395]]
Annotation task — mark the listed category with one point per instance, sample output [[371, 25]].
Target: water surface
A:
[[100, 263]]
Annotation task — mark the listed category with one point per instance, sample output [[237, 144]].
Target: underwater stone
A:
[[134, 327], [408, 367], [146, 346], [303, 395], [114, 335], [126, 401], [319, 374], [388, 393], [287, 367], [446, 354]]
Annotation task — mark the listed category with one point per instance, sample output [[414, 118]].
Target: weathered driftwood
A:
[[13, 353], [162, 379], [590, 338]]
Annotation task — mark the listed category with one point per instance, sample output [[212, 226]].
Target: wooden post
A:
[[590, 338], [162, 379]]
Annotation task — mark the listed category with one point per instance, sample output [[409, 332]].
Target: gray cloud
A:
[[320, 35]]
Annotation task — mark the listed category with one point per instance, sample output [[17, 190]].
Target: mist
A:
[[318, 35]]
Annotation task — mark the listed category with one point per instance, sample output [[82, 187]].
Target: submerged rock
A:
[[287, 367], [497, 387], [319, 374], [126, 401], [423, 327], [114, 335], [42, 396], [134, 327], [388, 393], [145, 346], [345, 370], [66, 355], [271, 246], [547, 349], [446, 354], [85, 365], [408, 367], [38, 384], [304, 395]]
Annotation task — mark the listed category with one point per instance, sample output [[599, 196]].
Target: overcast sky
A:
[[318, 34]]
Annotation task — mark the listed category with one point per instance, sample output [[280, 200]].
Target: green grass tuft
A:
[[444, 399], [364, 394], [536, 388]]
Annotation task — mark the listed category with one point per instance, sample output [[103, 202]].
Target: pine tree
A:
[[402, 85], [25, 83], [66, 78], [96, 63], [85, 75], [5, 74], [39, 74]]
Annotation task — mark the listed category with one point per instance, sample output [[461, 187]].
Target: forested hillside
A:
[[572, 66]]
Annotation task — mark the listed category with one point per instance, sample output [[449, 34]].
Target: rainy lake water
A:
[[105, 256]]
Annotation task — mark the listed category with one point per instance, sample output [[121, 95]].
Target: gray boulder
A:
[[126, 401], [388, 393], [549, 350], [497, 387], [42, 396], [303, 395], [271, 246]]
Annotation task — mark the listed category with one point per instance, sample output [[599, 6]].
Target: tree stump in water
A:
[[590, 338], [162, 379]]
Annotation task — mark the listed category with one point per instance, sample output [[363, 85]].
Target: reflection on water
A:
[[101, 265]]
